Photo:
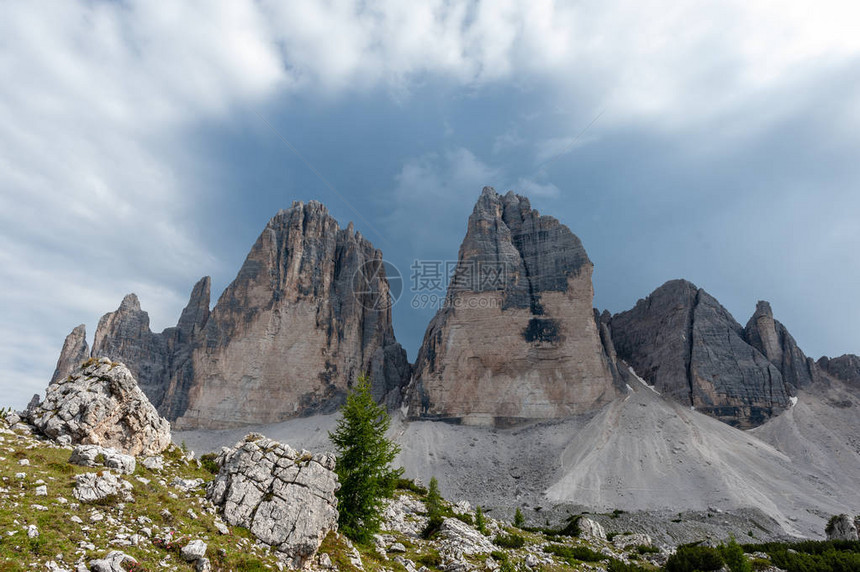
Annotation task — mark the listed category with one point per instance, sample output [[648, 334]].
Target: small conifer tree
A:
[[480, 523], [435, 510], [364, 457], [519, 521]]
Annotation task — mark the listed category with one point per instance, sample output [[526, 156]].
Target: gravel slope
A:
[[640, 453]]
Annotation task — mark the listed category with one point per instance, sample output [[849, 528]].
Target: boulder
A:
[[456, 538], [98, 456], [101, 404], [115, 561], [194, 550], [92, 487], [286, 498], [591, 529]]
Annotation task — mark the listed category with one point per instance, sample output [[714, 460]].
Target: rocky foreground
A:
[[257, 506]]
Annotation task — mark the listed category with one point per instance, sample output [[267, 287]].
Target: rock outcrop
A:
[[309, 311], [682, 341], [284, 497], [101, 404], [845, 368], [517, 338], [97, 456], [842, 527]]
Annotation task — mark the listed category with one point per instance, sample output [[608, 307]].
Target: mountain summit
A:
[[516, 339]]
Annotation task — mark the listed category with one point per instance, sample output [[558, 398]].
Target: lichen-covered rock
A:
[[115, 561], [625, 541], [591, 529], [101, 404], [404, 514], [682, 341], [456, 539], [194, 550], [92, 487], [98, 456], [517, 339], [842, 527], [286, 498]]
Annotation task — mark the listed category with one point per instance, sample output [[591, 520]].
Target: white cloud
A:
[[96, 97], [530, 187]]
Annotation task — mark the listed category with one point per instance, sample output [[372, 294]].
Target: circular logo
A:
[[368, 285]]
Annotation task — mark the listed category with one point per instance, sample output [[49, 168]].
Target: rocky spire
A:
[[517, 338], [772, 339], [75, 352]]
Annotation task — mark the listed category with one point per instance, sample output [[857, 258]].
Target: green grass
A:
[[59, 535]]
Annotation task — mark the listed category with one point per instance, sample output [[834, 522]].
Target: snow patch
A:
[[792, 401], [642, 381]]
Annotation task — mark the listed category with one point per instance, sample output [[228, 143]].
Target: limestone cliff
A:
[[287, 337], [681, 340], [517, 338], [293, 331]]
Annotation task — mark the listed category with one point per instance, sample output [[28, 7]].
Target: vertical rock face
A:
[[75, 352], [286, 338], [517, 338], [681, 340], [772, 339], [845, 367], [292, 331]]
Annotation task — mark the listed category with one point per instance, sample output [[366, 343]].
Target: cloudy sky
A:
[[144, 145]]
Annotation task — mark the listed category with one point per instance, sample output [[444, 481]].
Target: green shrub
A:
[[646, 549], [467, 518], [811, 555], [430, 559], [571, 528], [499, 555], [572, 554], [509, 541], [208, 462], [733, 555], [411, 485], [831, 523], [619, 566], [694, 558]]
